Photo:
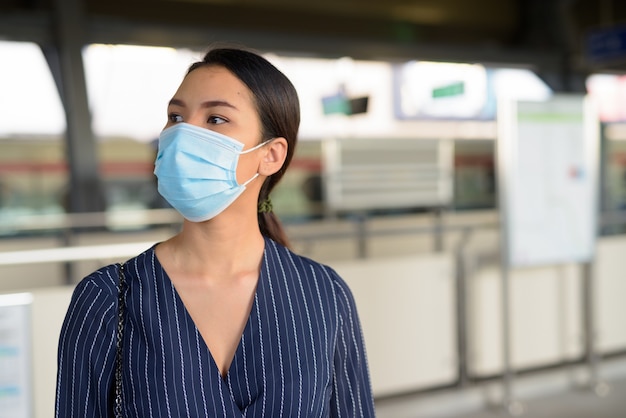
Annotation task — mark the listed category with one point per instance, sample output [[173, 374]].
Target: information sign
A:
[[547, 155], [15, 387]]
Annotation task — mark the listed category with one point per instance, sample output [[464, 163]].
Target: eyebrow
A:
[[208, 103]]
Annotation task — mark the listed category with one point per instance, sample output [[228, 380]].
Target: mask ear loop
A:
[[248, 181], [262, 144]]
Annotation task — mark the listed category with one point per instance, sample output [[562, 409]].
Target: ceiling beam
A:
[[37, 27], [445, 30]]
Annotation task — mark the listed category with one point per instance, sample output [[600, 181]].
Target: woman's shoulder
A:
[[142, 262], [106, 278], [282, 253], [323, 274]]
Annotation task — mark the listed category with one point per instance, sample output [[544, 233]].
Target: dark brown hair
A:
[[277, 104]]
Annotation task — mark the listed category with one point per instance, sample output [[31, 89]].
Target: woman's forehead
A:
[[214, 83]]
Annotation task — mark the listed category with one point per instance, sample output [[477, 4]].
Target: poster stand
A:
[[503, 148], [511, 404], [594, 382], [547, 162]]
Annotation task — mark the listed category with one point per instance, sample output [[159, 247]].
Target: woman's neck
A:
[[219, 248]]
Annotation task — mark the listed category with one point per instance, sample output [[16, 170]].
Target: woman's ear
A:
[[274, 156]]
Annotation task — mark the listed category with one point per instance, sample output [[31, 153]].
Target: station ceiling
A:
[[547, 34]]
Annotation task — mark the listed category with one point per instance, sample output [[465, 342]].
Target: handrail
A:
[[121, 250], [74, 253], [611, 218], [111, 219], [168, 216]]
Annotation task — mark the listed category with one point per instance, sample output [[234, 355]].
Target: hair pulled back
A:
[[277, 105]]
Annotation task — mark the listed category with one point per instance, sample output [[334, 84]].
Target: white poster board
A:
[[15, 371], [547, 180]]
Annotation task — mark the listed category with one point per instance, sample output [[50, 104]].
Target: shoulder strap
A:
[[121, 306]]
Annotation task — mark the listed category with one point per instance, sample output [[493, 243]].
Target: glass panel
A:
[[129, 88], [33, 172]]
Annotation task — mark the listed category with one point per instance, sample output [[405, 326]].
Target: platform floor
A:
[[562, 393]]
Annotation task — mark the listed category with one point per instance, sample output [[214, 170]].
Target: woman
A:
[[221, 320]]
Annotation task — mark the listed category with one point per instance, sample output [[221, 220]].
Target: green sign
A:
[[455, 89]]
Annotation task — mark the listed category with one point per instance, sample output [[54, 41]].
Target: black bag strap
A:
[[121, 306]]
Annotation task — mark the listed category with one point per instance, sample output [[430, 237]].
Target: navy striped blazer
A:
[[301, 353]]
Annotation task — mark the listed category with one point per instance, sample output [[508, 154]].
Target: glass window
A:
[[33, 172], [29, 102], [128, 88]]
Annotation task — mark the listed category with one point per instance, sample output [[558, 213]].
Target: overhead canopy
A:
[[547, 34]]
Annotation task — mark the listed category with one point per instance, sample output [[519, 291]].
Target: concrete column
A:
[[64, 57]]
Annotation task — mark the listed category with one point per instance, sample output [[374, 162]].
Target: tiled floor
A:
[[554, 394]]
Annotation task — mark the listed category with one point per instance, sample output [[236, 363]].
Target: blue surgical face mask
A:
[[196, 170]]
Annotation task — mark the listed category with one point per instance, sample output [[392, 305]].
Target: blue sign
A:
[[606, 45]]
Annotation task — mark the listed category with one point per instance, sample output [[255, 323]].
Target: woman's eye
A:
[[216, 120], [174, 118]]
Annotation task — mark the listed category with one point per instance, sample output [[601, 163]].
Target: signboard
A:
[[453, 89], [390, 173], [547, 157], [448, 91], [606, 45], [15, 373]]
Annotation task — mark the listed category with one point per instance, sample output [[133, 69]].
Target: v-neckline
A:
[[192, 324]]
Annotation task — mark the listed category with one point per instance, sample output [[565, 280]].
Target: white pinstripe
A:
[[295, 334], [93, 345], [160, 327], [280, 350], [256, 300], [204, 404], [76, 347], [310, 328], [145, 337]]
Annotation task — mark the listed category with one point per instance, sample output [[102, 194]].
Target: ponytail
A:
[[269, 224], [272, 228]]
